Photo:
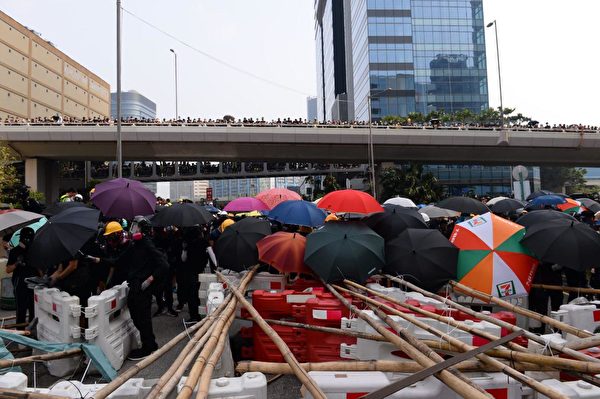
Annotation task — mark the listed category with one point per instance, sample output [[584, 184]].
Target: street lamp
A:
[[176, 105], [371, 155], [119, 138], [502, 139]]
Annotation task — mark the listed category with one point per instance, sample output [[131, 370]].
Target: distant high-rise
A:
[[408, 55], [133, 105], [311, 108]]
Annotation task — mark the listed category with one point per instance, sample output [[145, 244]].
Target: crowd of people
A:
[[288, 122]]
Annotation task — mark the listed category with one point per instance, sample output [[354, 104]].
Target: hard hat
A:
[[226, 223], [112, 227], [331, 218]]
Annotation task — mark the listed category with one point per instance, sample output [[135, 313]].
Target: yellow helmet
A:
[[332, 217], [226, 223], [112, 227]]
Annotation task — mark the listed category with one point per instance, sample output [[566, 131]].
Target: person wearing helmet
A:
[[145, 267], [20, 268]]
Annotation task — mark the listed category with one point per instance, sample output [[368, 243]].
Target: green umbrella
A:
[[344, 250]]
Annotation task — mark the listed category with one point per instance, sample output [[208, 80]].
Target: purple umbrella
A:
[[124, 198], [246, 204]]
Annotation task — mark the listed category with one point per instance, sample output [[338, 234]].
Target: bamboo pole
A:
[[391, 366], [481, 316], [207, 373], [40, 358], [132, 371], [302, 375], [328, 330], [449, 320], [517, 309], [6, 393], [584, 343], [17, 332], [425, 357], [511, 372], [564, 288], [212, 342]]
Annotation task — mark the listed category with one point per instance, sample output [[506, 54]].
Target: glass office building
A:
[[133, 105], [409, 55]]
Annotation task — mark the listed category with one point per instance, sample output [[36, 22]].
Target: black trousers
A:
[[164, 296], [140, 307], [24, 301]]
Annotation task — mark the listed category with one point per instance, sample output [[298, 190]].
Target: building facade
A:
[[39, 81], [407, 55], [311, 108], [133, 105]]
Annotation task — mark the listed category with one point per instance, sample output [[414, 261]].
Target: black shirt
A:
[[18, 257]]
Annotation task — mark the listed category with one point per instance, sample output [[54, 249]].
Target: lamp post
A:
[[499, 76], [371, 155], [119, 138], [176, 97]]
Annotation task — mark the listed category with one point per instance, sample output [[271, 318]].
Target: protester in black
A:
[[20, 268]]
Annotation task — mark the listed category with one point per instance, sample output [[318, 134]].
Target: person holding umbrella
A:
[[145, 267], [21, 269]]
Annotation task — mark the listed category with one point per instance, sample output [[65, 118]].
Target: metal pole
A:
[[370, 152], [499, 74], [119, 138], [176, 96]]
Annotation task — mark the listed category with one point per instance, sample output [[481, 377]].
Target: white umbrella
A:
[[435, 212], [401, 201], [425, 217], [14, 219], [494, 200]]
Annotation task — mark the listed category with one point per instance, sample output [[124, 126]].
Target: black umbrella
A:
[[538, 193], [62, 236], [236, 247], [590, 204], [182, 215], [423, 257], [344, 250], [568, 243], [58, 207], [394, 220], [463, 205], [507, 206], [542, 216]]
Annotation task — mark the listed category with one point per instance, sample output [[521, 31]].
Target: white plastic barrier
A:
[[214, 297], [251, 385], [584, 317], [344, 385], [538, 348], [522, 301], [572, 389], [58, 321], [267, 282], [376, 350], [225, 367], [13, 380], [205, 279], [403, 296], [134, 388], [110, 325]]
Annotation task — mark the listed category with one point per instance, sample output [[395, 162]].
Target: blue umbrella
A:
[[14, 241], [301, 213], [211, 208], [545, 200]]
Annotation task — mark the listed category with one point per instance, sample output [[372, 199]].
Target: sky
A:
[[548, 58]]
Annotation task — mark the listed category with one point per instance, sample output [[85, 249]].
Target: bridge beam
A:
[[42, 175]]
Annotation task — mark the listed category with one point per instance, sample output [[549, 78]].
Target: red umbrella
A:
[[350, 201], [284, 251], [274, 196]]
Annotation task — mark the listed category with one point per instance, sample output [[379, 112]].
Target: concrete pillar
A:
[[42, 175]]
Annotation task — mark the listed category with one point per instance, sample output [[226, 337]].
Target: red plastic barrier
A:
[[264, 349], [325, 311]]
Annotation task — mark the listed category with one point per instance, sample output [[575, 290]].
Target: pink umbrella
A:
[[246, 204], [274, 196]]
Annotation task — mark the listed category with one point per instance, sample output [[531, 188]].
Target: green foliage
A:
[[38, 196], [394, 120], [554, 178], [330, 184], [8, 173], [410, 182]]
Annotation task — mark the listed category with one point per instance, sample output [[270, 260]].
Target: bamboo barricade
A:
[[584, 343], [517, 309], [328, 330], [449, 320], [302, 375], [222, 320], [211, 363], [564, 288], [6, 393], [427, 358], [40, 358], [132, 371], [481, 316], [391, 366], [509, 371]]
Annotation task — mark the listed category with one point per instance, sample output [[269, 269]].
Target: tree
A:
[[555, 178], [8, 173], [410, 181], [330, 184]]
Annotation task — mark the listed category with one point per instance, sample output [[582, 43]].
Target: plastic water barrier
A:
[[134, 388], [110, 325], [350, 385], [58, 322], [584, 317], [251, 385]]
